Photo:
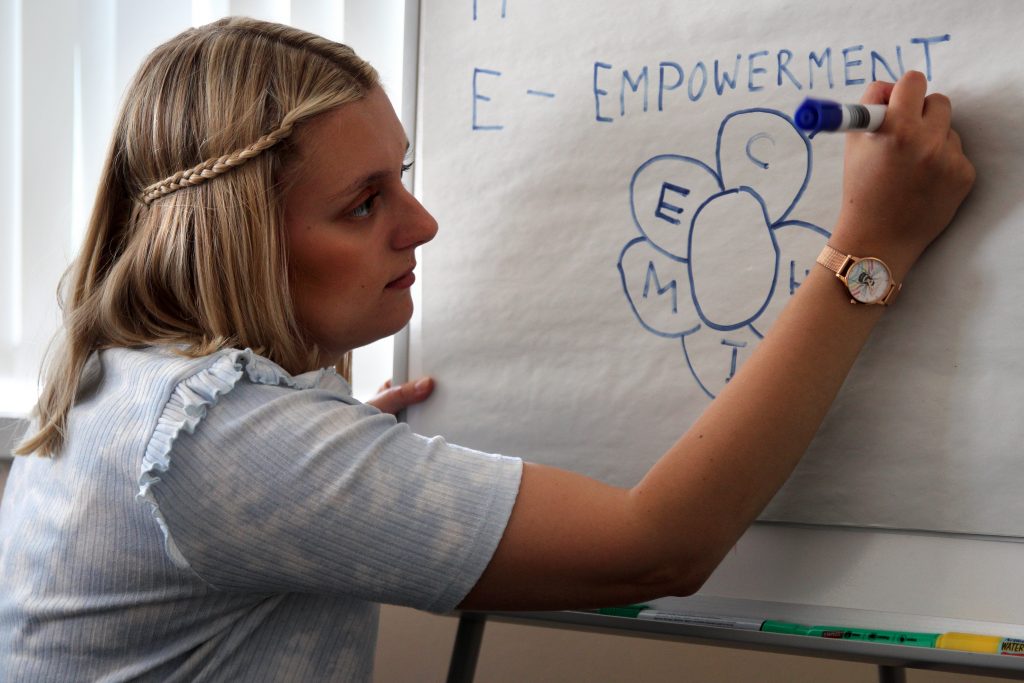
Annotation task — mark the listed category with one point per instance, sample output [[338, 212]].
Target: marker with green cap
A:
[[867, 635], [646, 613]]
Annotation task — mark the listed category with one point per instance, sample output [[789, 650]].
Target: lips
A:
[[402, 282]]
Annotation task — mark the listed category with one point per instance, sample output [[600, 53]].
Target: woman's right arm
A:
[[575, 542]]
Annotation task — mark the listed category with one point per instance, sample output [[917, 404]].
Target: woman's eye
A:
[[406, 167], [364, 209]]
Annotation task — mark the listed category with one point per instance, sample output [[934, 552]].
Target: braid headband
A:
[[211, 168]]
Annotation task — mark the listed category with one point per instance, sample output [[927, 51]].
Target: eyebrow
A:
[[359, 184], [362, 182]]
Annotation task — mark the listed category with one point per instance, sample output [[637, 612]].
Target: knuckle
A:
[[935, 158], [875, 90], [970, 173], [902, 137], [914, 76]]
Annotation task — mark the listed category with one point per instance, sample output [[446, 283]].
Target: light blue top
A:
[[217, 519]]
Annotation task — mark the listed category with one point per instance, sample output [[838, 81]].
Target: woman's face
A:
[[352, 227]]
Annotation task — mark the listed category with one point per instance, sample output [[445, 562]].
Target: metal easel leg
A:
[[892, 674], [466, 648]]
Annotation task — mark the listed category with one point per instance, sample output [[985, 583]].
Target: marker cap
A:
[[623, 610], [772, 626], [818, 115]]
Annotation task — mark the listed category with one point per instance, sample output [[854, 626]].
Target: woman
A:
[[217, 506]]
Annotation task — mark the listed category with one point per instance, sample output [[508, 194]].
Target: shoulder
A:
[[235, 385], [324, 477], [217, 372], [195, 385]]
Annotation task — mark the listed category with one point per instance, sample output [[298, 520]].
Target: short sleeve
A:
[[262, 484]]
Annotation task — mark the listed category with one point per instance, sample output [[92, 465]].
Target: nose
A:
[[418, 225]]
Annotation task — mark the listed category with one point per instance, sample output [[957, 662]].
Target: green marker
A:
[[866, 635]]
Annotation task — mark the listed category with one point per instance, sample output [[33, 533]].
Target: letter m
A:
[[652, 275]]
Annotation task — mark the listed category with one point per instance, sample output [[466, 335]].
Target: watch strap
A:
[[833, 259]]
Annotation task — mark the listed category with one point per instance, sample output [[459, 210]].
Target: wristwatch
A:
[[868, 279]]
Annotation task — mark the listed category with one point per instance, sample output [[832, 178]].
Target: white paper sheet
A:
[[625, 207]]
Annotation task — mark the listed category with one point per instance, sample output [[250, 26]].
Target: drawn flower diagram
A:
[[719, 253]]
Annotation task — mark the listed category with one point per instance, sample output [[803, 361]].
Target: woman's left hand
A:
[[391, 399]]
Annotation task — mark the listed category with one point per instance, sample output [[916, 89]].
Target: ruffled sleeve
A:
[[261, 481], [188, 405]]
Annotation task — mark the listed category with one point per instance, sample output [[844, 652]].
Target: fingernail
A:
[[422, 385]]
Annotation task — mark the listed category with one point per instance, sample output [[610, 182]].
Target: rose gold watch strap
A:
[[890, 296], [833, 259]]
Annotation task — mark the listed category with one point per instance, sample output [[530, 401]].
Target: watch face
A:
[[868, 280]]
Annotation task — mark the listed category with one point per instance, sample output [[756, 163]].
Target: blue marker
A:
[[832, 117]]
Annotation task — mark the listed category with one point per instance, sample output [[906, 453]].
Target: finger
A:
[[938, 111], [907, 98], [384, 387], [878, 92], [398, 398], [389, 401]]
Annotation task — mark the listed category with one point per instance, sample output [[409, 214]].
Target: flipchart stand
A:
[[891, 660]]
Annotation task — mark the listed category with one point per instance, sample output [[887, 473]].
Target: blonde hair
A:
[[185, 244]]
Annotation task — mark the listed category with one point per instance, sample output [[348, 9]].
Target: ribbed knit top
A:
[[218, 519]]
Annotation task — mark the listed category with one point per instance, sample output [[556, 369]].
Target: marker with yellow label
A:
[[972, 642]]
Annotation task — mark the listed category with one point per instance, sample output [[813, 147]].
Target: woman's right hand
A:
[[903, 184], [573, 541]]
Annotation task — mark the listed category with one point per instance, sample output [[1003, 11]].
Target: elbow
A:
[[678, 577], [690, 582], [678, 557], [676, 561]]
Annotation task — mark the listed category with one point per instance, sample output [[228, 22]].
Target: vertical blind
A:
[[64, 65]]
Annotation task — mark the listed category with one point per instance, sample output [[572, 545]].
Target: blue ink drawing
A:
[[504, 8], [718, 254], [477, 97]]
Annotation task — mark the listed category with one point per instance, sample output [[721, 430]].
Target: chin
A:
[[401, 318], [385, 328]]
